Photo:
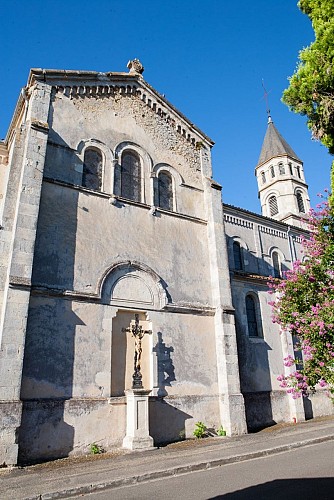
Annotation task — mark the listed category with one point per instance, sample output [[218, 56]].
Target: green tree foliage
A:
[[311, 90]]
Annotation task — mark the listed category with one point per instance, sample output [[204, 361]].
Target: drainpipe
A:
[[292, 253]]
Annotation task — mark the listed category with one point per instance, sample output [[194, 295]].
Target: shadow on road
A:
[[287, 489]]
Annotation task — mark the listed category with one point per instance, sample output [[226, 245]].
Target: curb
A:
[[174, 471]]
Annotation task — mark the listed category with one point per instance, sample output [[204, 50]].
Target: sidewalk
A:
[[71, 477]]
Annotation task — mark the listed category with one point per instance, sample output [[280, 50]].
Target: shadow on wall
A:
[[166, 371], [308, 408], [47, 381], [307, 403], [243, 261], [167, 422], [43, 434], [258, 409], [255, 381]]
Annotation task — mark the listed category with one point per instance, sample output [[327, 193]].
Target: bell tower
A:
[[283, 191]]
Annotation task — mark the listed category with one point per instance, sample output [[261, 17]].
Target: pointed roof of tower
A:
[[275, 145]]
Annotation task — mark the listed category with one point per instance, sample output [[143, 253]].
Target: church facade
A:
[[108, 210]]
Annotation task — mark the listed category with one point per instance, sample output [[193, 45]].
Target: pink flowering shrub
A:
[[304, 305]]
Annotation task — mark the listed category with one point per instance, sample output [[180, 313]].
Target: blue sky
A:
[[207, 57]]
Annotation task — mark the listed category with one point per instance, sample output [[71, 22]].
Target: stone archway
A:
[[131, 284]]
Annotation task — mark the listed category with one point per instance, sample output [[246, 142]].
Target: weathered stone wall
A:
[[73, 346], [68, 372], [58, 428], [68, 351], [260, 358], [81, 235], [114, 120]]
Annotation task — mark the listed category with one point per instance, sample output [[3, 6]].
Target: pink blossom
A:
[[289, 361]]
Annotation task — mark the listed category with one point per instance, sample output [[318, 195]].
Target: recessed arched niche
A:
[[131, 288], [122, 352]]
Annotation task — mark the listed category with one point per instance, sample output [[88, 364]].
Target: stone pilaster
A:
[[231, 401], [18, 236]]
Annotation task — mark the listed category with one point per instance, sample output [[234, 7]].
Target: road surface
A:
[[303, 474]]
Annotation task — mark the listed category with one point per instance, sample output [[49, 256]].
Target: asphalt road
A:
[[303, 474]]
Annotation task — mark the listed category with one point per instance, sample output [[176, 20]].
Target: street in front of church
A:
[[285, 461], [305, 473]]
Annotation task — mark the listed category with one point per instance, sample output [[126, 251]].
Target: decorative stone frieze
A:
[[238, 222], [297, 239], [273, 232]]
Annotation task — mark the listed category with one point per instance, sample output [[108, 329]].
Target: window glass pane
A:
[[165, 191], [92, 170], [130, 176], [272, 171], [251, 317], [276, 265], [300, 202], [237, 256]]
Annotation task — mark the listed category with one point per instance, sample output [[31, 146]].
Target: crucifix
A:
[[137, 333]]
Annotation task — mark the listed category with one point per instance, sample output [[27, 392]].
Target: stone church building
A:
[[108, 209]]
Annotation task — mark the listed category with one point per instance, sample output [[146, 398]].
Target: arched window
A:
[[252, 316], [237, 255], [164, 191], [272, 171], [273, 207], [281, 169], [92, 169], [300, 202], [130, 176], [276, 265], [290, 169], [263, 177]]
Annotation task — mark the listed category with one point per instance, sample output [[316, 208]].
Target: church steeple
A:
[[275, 145], [283, 191]]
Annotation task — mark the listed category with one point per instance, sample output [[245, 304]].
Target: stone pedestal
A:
[[137, 420]]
